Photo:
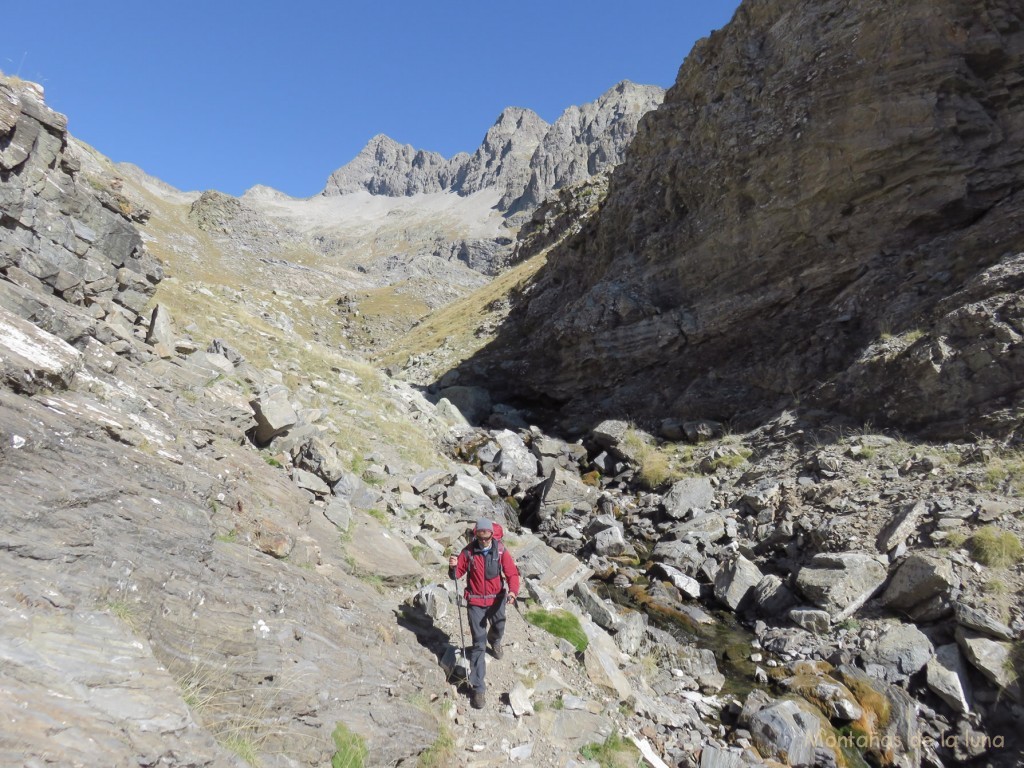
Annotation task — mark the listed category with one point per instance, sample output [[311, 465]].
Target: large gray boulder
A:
[[922, 587], [515, 459], [902, 650], [994, 659], [841, 583], [787, 732], [564, 492], [690, 493], [274, 413], [736, 582]]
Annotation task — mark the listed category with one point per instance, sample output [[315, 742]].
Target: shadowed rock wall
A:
[[819, 182]]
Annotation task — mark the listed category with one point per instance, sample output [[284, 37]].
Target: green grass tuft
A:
[[613, 752], [560, 624], [350, 748]]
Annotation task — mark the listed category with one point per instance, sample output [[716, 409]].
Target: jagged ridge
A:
[[521, 155]]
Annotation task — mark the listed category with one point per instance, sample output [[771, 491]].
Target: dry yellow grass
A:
[[458, 325]]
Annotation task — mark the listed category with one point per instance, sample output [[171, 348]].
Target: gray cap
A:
[[483, 524]]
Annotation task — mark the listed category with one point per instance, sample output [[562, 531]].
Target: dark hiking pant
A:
[[479, 618]]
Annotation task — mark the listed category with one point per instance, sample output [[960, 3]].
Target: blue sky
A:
[[225, 94]]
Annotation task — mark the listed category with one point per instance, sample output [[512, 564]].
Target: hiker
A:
[[493, 581]]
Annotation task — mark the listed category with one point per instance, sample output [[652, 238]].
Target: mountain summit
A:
[[522, 156]]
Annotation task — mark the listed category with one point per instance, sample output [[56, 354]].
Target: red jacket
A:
[[481, 590]]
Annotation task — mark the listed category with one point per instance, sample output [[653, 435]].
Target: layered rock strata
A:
[[831, 193]]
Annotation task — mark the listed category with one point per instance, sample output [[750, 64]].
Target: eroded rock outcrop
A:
[[819, 178]]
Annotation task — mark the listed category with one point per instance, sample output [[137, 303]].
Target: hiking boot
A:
[[476, 700], [496, 649]]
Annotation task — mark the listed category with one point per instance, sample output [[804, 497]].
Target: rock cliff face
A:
[[831, 193], [521, 156], [585, 141], [58, 238]]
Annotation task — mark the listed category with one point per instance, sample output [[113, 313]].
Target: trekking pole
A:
[[462, 664]]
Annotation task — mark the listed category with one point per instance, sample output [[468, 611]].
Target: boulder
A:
[[841, 583], [610, 542], [376, 552], [601, 612], [515, 459], [772, 598], [707, 528], [686, 495], [601, 661], [994, 659], [274, 414], [735, 583], [685, 584], [902, 525], [679, 554], [830, 696], [901, 651], [787, 732], [981, 621], [474, 403], [947, 676], [922, 587], [32, 360], [890, 723], [811, 620], [564, 491]]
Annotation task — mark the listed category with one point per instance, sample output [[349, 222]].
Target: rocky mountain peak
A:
[[585, 141], [521, 155], [385, 167]]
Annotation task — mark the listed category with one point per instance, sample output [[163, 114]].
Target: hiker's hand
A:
[[453, 561], [511, 598]]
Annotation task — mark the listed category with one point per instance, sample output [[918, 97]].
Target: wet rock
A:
[[889, 723], [831, 697], [685, 584], [787, 732]]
